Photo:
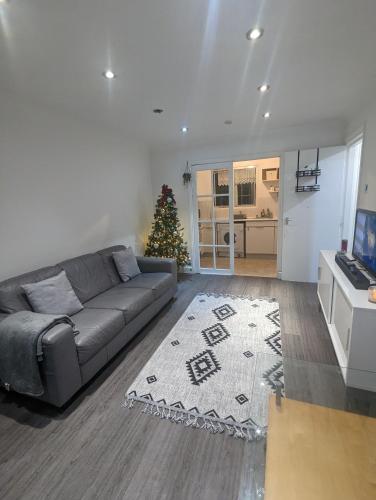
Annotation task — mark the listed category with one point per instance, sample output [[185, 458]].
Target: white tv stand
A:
[[351, 321]]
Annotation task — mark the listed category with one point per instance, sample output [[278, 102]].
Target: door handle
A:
[[287, 220]]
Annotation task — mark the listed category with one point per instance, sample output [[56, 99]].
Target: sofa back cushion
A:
[[87, 275], [109, 263], [13, 297]]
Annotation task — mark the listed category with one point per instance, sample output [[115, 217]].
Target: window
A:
[[245, 186], [221, 188]]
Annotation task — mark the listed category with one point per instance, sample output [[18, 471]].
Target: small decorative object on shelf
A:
[[187, 176], [372, 294], [312, 172]]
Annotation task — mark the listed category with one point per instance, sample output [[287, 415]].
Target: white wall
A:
[[66, 188], [366, 122], [167, 165]]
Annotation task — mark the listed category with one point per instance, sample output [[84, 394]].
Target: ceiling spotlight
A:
[[110, 75], [266, 115], [263, 88], [228, 122], [254, 33], [184, 130], [158, 111]]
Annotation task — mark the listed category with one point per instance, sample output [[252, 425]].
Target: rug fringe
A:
[[197, 421]]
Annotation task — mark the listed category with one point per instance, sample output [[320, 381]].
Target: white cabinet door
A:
[[260, 239], [325, 288], [311, 221], [342, 316]]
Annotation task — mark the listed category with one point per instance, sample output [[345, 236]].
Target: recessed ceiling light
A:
[[266, 115], [254, 33], [263, 88], [158, 111], [110, 75], [228, 122], [184, 130]]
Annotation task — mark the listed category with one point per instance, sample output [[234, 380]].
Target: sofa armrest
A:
[[157, 265], [60, 370]]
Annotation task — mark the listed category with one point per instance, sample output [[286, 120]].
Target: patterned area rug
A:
[[208, 372]]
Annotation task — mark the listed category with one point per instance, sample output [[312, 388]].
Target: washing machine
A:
[[223, 237]]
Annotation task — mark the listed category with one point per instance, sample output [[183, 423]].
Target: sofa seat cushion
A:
[[97, 328], [158, 283], [131, 301]]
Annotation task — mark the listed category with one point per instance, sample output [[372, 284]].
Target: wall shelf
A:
[[307, 173], [270, 174], [307, 189]]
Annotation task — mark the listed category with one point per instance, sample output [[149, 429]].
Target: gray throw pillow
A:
[[126, 264], [53, 296]]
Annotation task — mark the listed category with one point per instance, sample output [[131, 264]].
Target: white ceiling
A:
[[191, 58]]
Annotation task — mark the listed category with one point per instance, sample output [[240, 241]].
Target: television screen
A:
[[364, 248]]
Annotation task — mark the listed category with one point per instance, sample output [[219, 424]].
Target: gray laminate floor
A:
[[94, 449]]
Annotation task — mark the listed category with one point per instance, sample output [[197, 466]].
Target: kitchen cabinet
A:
[[261, 237]]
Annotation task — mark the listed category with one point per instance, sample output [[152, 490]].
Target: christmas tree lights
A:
[[165, 239]]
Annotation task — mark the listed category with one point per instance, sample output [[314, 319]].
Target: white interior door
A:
[[213, 219], [311, 221]]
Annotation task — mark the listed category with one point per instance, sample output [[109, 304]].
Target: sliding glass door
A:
[[214, 228]]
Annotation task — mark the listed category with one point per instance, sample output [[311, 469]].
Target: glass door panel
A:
[[205, 208], [206, 257], [222, 257], [214, 224], [204, 183], [205, 233]]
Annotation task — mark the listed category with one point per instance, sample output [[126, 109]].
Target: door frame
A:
[[197, 165], [194, 219]]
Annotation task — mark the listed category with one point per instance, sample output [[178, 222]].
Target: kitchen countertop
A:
[[258, 219]]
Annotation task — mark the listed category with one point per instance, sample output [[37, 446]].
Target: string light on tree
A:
[[165, 239]]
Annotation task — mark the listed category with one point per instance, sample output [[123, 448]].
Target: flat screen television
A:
[[364, 247]]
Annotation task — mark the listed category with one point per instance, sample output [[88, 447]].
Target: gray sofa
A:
[[113, 313]]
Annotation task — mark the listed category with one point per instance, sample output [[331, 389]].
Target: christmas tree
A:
[[165, 239]]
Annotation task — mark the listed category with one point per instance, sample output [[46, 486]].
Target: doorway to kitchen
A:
[[256, 191], [236, 215]]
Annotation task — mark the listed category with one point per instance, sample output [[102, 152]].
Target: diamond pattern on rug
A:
[[274, 342], [202, 366], [241, 399], [215, 334], [151, 379], [224, 312], [175, 342], [248, 354]]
